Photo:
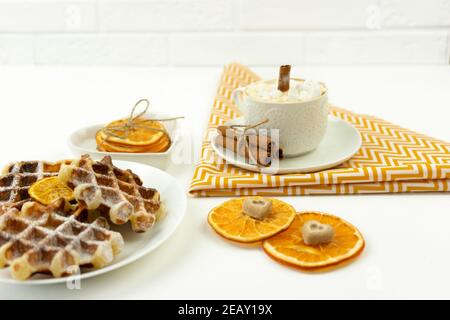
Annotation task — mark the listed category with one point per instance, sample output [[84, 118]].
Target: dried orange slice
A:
[[288, 247], [50, 189], [230, 222]]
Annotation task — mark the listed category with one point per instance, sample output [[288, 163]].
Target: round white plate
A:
[[340, 143], [136, 245]]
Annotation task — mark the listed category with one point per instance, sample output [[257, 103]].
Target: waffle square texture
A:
[[116, 193], [49, 239], [17, 178]]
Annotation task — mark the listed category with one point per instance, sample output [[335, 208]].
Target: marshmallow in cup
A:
[[298, 91]]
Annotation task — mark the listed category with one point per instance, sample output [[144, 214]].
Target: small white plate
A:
[[340, 143], [83, 141], [136, 245]]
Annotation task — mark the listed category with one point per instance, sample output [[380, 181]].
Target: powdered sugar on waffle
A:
[[49, 238], [99, 185]]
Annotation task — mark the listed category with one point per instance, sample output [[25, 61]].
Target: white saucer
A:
[[340, 143], [136, 245]]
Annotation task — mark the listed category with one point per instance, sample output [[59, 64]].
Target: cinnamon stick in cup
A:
[[284, 78]]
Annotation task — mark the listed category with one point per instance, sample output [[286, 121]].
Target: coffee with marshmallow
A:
[[296, 108]]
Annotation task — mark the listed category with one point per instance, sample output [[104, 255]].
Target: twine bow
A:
[[132, 123]]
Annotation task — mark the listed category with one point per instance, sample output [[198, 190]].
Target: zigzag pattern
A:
[[391, 159]]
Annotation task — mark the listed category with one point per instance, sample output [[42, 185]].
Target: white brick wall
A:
[[381, 47], [101, 50], [48, 16], [215, 32], [250, 48], [302, 14], [166, 15], [407, 13]]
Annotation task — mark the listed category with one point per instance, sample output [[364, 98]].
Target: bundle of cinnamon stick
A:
[[256, 146]]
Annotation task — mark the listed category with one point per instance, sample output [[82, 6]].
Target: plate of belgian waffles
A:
[[82, 218]]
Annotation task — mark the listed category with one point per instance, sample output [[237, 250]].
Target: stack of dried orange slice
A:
[[144, 136], [281, 234]]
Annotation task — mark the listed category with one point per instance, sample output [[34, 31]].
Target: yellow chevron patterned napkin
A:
[[392, 159]]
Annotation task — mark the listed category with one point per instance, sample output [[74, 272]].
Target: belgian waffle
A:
[[116, 193], [17, 178], [41, 238]]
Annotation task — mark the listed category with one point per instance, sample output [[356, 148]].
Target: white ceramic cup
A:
[[301, 124]]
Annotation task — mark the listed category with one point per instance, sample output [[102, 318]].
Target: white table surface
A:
[[408, 235]]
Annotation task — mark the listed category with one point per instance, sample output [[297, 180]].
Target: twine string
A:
[[132, 124], [248, 127]]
